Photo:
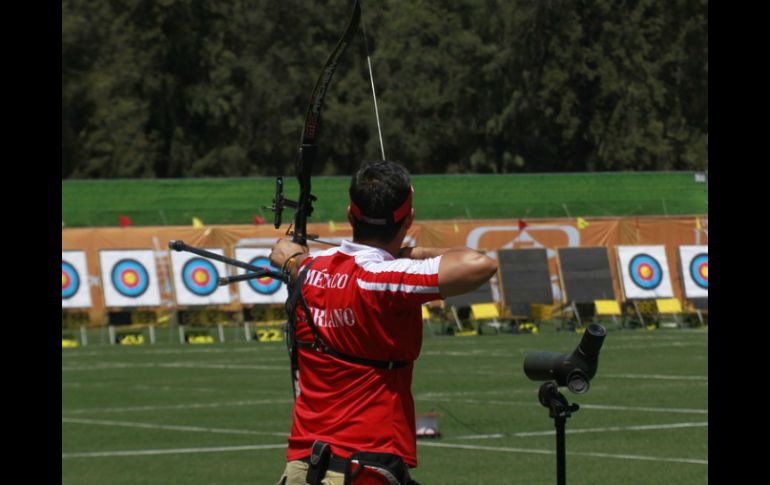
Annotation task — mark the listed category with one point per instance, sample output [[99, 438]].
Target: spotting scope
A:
[[573, 370]]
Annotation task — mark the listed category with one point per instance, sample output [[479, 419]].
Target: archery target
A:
[[70, 281], [195, 279], [75, 291], [259, 290], [645, 272], [199, 276], [130, 278], [694, 262]]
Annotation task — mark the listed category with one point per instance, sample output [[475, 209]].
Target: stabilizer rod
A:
[[257, 272]]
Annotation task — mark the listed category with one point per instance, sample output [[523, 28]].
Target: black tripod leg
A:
[[561, 459]]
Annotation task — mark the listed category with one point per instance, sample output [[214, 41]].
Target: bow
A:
[[308, 149], [303, 207]]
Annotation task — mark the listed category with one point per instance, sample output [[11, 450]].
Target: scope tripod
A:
[[560, 410]]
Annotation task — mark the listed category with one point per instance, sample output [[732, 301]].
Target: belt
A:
[[336, 463], [378, 364]]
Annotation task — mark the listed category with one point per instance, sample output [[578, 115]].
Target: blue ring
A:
[[657, 272], [696, 277], [189, 282], [264, 289], [142, 284], [74, 285]]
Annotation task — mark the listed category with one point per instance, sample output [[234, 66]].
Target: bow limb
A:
[[308, 149]]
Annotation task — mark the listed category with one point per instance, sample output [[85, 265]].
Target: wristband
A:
[[289, 263]]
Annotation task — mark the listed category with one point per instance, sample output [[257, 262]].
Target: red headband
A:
[[398, 214]]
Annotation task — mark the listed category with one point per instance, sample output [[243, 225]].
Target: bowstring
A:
[[371, 79]]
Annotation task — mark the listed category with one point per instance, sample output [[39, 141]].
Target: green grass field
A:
[[437, 197], [219, 414]]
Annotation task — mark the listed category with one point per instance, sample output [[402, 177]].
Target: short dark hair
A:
[[376, 191]]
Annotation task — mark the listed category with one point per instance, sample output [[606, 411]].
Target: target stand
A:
[[204, 324], [264, 322], [586, 277], [645, 312]]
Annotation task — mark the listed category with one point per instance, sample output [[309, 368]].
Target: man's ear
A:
[[350, 216]]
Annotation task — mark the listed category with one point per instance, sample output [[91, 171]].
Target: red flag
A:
[[522, 225], [258, 220], [124, 221]]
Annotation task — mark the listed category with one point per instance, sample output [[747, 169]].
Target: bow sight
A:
[[280, 203]]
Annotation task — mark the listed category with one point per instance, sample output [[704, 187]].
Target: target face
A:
[[695, 270], [196, 279], [265, 285], [70, 281], [75, 292], [699, 270], [259, 290], [200, 276], [645, 272], [130, 278]]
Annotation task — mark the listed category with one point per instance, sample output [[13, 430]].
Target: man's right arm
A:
[[460, 270]]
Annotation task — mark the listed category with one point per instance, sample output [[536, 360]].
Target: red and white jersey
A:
[[365, 304]]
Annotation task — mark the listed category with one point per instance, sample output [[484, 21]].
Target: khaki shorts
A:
[[296, 471]]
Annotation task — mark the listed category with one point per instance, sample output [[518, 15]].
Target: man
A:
[[354, 411]]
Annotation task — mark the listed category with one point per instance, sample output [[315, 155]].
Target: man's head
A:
[[380, 201]]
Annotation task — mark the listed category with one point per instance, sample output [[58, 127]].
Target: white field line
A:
[[96, 454], [582, 406], [656, 345], [549, 452], [517, 352], [467, 353], [176, 406], [669, 334], [645, 409], [417, 398], [478, 436], [644, 427], [664, 377], [172, 451], [117, 453], [170, 365], [140, 387], [424, 396], [190, 350], [465, 372], [430, 395], [170, 427]]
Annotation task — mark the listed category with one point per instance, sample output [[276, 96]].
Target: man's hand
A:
[[285, 249]]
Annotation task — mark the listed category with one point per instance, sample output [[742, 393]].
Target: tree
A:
[[180, 88]]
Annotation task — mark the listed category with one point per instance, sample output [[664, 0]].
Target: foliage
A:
[[180, 88]]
